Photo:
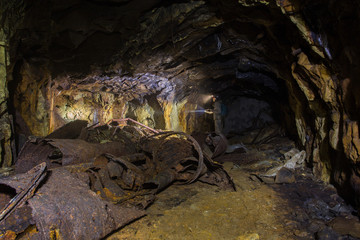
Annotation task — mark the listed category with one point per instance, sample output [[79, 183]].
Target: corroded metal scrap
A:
[[218, 142], [170, 149], [216, 175], [71, 130], [38, 174], [104, 179], [66, 205], [15, 217], [165, 158], [62, 152], [75, 210], [181, 154]]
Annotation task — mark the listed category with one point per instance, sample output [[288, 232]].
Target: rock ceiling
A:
[[133, 49]]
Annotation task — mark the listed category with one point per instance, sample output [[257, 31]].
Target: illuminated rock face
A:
[[101, 107], [5, 119], [152, 61]]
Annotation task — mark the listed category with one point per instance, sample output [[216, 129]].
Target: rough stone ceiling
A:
[[153, 46]]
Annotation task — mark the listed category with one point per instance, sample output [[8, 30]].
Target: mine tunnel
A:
[[185, 119]]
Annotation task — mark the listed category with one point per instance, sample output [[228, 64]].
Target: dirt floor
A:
[[303, 208]]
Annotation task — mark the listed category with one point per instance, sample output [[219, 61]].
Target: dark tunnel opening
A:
[[252, 100]]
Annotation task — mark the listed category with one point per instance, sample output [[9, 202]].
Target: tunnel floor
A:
[[152, 187], [297, 207]]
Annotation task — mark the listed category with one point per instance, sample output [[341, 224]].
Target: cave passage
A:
[[123, 98]]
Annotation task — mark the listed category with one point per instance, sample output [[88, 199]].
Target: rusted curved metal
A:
[[134, 121], [197, 147]]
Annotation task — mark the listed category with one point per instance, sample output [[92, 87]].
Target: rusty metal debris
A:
[[62, 152], [106, 177], [218, 142], [39, 174], [124, 120], [200, 160], [71, 130], [66, 205]]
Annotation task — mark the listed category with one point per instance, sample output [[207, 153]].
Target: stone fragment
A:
[[296, 160], [346, 226], [285, 175], [299, 233], [288, 155], [351, 141], [252, 236], [318, 209], [316, 225], [334, 131], [114, 169], [326, 234]]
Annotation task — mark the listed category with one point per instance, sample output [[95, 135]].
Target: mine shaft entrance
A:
[[250, 101]]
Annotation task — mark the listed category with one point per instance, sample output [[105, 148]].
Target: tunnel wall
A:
[[327, 113], [5, 118]]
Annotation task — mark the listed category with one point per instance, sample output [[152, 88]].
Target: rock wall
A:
[[5, 118], [11, 13], [32, 101], [101, 107], [326, 74]]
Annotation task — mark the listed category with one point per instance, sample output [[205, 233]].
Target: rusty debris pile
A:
[[85, 182]]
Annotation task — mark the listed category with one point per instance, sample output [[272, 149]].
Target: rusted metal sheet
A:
[[66, 205], [32, 154], [174, 148], [37, 175], [218, 142], [70, 206], [71, 130], [76, 151], [62, 152], [18, 222]]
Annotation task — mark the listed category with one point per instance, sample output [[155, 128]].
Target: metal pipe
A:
[[132, 120]]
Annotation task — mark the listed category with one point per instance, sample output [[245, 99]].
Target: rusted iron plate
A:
[[17, 222], [67, 204], [70, 130], [37, 174], [76, 151], [32, 154], [62, 152], [125, 120]]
